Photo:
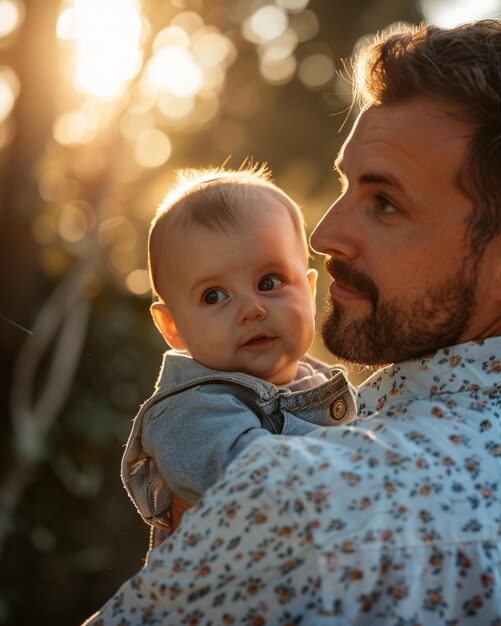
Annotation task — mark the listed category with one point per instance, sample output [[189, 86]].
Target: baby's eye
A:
[[214, 296], [268, 283]]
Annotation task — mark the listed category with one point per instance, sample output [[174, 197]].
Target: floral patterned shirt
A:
[[393, 519]]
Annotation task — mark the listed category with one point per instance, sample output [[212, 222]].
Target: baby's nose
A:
[[251, 310]]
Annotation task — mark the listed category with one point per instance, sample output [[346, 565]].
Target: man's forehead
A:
[[423, 125]]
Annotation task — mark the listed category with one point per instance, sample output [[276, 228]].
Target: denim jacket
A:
[[199, 419]]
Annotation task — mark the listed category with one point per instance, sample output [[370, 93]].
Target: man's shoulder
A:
[[383, 474]]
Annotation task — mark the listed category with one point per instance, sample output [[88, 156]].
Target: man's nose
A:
[[251, 309], [337, 234]]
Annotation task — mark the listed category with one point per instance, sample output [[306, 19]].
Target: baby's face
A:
[[244, 301]]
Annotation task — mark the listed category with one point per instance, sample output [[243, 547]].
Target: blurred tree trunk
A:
[[22, 286]]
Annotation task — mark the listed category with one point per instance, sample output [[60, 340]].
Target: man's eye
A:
[[214, 296], [268, 283], [384, 205]]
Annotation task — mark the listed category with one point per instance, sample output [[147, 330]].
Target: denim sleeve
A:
[[296, 426], [196, 436]]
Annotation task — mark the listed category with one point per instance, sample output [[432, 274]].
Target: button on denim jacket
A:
[[199, 419]]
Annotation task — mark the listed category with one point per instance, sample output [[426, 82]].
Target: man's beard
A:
[[399, 329]]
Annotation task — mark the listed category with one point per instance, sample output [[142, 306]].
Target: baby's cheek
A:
[[210, 348], [302, 323], [303, 312]]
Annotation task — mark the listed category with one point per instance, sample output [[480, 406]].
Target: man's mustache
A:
[[352, 278]]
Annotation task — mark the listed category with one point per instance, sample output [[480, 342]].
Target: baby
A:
[[228, 262]]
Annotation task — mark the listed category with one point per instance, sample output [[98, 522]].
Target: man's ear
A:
[[166, 326], [496, 285], [312, 276]]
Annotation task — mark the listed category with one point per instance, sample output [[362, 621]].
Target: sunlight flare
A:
[[107, 36]]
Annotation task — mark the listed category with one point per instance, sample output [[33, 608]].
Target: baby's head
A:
[[228, 262]]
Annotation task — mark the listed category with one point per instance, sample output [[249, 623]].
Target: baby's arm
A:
[[196, 436]]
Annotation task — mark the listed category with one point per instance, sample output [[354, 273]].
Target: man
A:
[[394, 519]]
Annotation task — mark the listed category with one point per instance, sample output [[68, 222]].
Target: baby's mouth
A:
[[258, 342]]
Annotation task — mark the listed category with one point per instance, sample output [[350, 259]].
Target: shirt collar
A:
[[463, 367]]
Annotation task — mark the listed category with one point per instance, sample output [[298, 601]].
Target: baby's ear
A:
[[312, 275], [166, 326]]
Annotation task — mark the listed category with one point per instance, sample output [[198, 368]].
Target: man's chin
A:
[[347, 342], [337, 341], [347, 355]]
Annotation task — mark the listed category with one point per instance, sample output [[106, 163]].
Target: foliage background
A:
[[79, 353]]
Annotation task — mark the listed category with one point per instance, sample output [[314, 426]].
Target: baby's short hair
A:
[[217, 199]]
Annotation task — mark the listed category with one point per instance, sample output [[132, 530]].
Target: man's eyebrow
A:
[[381, 179], [370, 177]]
